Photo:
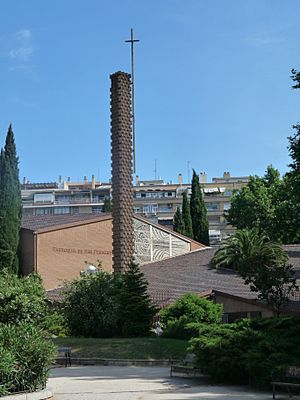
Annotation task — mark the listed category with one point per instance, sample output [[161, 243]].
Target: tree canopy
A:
[[262, 263], [198, 212], [186, 215], [178, 224], [272, 204], [10, 204]]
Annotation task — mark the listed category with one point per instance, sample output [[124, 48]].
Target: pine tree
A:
[[198, 212], [137, 308], [178, 224], [10, 204], [186, 216]]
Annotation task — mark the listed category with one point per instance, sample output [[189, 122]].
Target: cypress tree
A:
[[186, 215], [178, 224], [198, 212], [10, 204]]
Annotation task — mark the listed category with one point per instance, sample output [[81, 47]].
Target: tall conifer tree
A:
[[10, 204], [178, 224], [198, 212], [186, 216]]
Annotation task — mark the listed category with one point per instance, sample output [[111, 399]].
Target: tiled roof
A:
[[40, 222], [43, 223], [193, 272]]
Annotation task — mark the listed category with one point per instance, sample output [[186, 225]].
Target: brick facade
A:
[[122, 192], [61, 254]]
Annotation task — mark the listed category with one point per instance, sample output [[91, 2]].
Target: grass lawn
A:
[[147, 348]]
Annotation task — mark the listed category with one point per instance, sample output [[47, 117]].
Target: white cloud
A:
[[21, 47], [21, 53], [23, 35]]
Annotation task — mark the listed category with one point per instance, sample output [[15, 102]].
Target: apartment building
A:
[[155, 200]]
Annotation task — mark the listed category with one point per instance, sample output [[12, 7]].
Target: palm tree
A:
[[248, 248], [262, 263]]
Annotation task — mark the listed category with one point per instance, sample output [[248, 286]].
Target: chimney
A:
[[137, 180], [180, 179], [93, 182], [121, 151], [226, 175], [69, 179], [202, 177], [24, 180], [85, 179]]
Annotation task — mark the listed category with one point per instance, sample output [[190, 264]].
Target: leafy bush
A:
[[25, 355], [55, 323], [91, 308], [103, 305], [249, 350], [189, 309], [21, 299]]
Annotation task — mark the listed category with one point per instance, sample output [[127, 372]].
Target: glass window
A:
[[62, 210], [226, 206], [43, 211], [212, 206]]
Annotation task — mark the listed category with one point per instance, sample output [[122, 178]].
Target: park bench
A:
[[290, 381], [186, 366], [66, 351]]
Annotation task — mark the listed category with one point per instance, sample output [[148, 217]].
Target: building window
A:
[[212, 206], [170, 194], [62, 210], [226, 206], [63, 199], [43, 211], [213, 219], [96, 210], [150, 208], [43, 198]]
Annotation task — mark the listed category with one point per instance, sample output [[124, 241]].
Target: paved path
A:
[[138, 383]]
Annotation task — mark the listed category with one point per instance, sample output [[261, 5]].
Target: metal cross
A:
[[131, 41]]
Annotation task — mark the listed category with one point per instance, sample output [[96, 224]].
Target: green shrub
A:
[[104, 305], [91, 308], [248, 351], [55, 323], [21, 299], [25, 356], [189, 309]]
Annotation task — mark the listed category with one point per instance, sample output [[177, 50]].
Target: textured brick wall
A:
[[62, 254], [121, 144]]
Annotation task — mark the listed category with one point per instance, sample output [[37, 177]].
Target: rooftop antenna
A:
[[132, 41], [155, 169]]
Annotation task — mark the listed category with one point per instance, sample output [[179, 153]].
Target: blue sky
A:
[[213, 87]]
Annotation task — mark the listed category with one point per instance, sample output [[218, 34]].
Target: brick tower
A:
[[121, 151]]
